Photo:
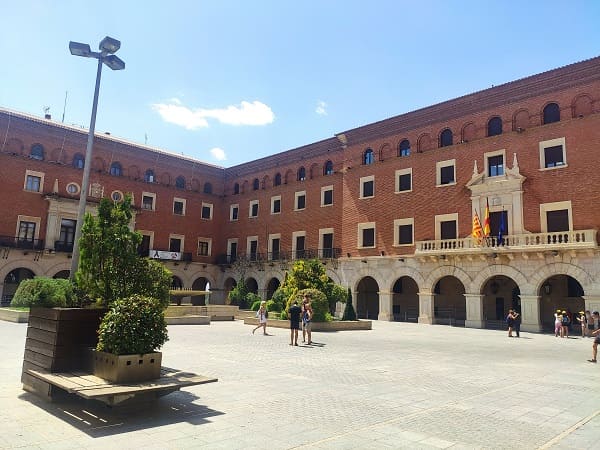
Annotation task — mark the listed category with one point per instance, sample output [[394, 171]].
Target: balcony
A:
[[281, 256], [60, 246], [20, 243], [512, 243]]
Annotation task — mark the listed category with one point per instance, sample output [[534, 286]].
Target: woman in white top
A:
[[262, 315]]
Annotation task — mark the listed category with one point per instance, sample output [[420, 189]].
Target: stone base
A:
[[425, 320], [385, 317], [474, 323], [532, 328], [127, 368], [188, 320], [336, 325]]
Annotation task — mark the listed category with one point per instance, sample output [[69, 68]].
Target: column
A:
[[474, 303], [426, 301], [592, 303], [385, 306], [530, 313]]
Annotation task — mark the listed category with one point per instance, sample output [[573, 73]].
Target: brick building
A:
[[387, 206]]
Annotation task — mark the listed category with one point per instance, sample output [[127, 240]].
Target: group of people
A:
[[562, 322], [513, 319], [297, 316]]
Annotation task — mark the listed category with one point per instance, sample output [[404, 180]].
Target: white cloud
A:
[[218, 154], [246, 113], [320, 110]]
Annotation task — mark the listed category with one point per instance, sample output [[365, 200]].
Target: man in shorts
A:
[[294, 313], [596, 334]]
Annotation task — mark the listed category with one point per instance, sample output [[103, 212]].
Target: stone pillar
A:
[[385, 306], [426, 301], [592, 303], [530, 313], [474, 303]]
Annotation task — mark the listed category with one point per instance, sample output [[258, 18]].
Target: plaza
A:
[[400, 385]]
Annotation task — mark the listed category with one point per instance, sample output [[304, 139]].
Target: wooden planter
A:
[[127, 368]]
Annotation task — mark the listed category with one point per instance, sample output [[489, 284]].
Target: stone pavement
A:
[[398, 386]]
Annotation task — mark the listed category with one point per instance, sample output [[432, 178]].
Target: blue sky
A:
[[229, 81]]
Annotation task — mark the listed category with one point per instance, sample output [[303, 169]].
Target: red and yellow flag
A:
[[486, 219], [477, 232]]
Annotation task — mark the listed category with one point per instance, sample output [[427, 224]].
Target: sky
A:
[[226, 82]]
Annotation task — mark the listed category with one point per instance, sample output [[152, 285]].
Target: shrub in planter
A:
[[318, 302], [273, 306], [133, 325], [349, 313], [43, 291]]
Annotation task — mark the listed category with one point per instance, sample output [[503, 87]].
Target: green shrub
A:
[[252, 298], [43, 291], [237, 295], [283, 315], [133, 325], [349, 313], [279, 300], [273, 306], [318, 302], [255, 305]]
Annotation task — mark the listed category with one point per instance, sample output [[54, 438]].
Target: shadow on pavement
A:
[[97, 419]]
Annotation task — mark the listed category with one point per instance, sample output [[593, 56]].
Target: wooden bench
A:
[[91, 387]]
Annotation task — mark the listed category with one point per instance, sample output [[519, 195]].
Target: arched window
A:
[[368, 157], [404, 148], [236, 188], [149, 176], [37, 151], [551, 113], [494, 126], [207, 188], [301, 174], [446, 138], [256, 184], [78, 161], [115, 169], [328, 169], [277, 179], [180, 182]]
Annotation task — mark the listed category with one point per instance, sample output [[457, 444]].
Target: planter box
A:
[[336, 325], [13, 315], [127, 368]]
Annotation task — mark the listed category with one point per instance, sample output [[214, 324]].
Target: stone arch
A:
[[22, 264], [200, 285], [582, 105], [405, 299], [424, 142], [133, 172], [14, 146], [333, 275], [228, 284], [499, 269], [252, 285], [367, 298], [62, 274], [11, 282], [468, 132], [366, 272], [271, 286], [446, 271], [289, 176], [314, 171], [407, 272], [521, 119], [560, 268], [266, 182], [385, 151]]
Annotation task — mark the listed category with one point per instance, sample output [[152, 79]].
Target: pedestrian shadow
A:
[[97, 419], [313, 344]]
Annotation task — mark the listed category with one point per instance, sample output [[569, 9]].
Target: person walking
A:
[[557, 323], [595, 333], [262, 316], [294, 313]]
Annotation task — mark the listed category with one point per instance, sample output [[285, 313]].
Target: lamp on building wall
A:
[[547, 288], [107, 47]]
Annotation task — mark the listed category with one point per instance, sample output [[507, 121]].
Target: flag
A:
[[486, 219], [501, 229], [477, 232]]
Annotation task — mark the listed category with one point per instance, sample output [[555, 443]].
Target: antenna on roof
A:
[[64, 107]]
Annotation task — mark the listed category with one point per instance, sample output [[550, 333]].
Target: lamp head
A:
[[109, 45], [79, 49], [114, 62]]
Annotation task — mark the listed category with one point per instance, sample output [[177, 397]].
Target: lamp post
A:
[[107, 47]]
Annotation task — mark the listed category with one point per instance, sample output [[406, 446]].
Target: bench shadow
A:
[[97, 419]]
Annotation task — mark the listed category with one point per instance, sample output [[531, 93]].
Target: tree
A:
[[109, 265], [349, 313]]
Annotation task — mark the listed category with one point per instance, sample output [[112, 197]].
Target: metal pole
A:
[[86, 174]]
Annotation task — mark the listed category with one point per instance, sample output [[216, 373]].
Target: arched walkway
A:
[[272, 287], [500, 293], [449, 302], [199, 285], [405, 300], [564, 293], [252, 285], [367, 299], [12, 281]]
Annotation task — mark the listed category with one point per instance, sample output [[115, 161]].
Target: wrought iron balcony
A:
[[281, 256], [21, 243], [532, 242], [60, 246]]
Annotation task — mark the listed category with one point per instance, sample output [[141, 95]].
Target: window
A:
[[404, 180], [553, 154], [404, 148], [274, 244], [367, 187], [326, 243], [494, 126], [276, 204], [236, 188], [232, 246], [326, 195], [67, 234], [116, 169], [256, 184], [445, 172], [116, 196], [146, 244], [551, 113], [556, 216], [253, 210], [234, 210], [328, 169], [78, 161], [298, 244], [495, 165], [27, 231], [207, 188], [207, 211], [175, 243], [180, 182], [277, 179], [34, 181], [446, 138], [300, 200], [73, 188], [252, 248], [366, 235], [148, 201], [204, 247], [37, 152], [301, 174], [149, 176], [179, 206], [368, 157], [446, 226], [403, 232]]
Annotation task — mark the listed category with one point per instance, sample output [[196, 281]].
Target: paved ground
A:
[[397, 386]]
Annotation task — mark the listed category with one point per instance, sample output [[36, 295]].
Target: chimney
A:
[[47, 116]]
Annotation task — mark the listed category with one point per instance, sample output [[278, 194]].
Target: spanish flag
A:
[[477, 232], [486, 219]]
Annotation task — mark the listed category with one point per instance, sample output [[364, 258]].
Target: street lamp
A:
[[107, 47]]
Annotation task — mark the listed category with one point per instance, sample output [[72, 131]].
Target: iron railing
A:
[[20, 243]]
